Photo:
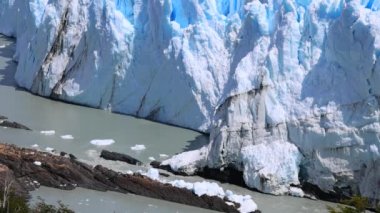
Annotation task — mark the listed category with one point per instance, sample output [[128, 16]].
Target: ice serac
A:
[[288, 90]]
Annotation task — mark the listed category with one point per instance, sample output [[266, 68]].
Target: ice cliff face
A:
[[288, 89]]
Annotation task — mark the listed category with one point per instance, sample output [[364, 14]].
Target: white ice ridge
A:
[[210, 189], [295, 73]]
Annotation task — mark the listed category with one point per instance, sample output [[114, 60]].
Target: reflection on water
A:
[[86, 124]]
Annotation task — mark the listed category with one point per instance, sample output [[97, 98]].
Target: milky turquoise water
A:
[[86, 124]]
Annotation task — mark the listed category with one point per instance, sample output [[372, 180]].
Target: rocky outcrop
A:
[[11, 124], [29, 169], [141, 185], [47, 169], [115, 156], [9, 180], [225, 175]]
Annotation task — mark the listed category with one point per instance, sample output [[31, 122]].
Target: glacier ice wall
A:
[[260, 76]]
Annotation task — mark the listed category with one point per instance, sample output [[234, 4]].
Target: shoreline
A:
[[30, 169]]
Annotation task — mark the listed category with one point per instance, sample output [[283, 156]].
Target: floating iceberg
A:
[[48, 132], [102, 142], [67, 137], [138, 147]]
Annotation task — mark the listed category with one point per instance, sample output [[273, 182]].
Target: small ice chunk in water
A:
[[67, 137], [138, 147], [48, 132], [151, 158], [35, 146], [164, 156], [102, 142]]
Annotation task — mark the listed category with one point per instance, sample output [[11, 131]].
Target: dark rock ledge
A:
[[227, 175], [114, 156], [233, 176], [30, 168], [4, 122]]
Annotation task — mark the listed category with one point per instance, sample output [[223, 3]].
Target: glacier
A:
[[288, 90]]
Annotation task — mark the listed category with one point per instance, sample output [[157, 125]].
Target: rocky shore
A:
[[28, 169], [233, 176]]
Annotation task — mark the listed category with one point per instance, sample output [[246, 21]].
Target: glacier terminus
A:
[[289, 90]]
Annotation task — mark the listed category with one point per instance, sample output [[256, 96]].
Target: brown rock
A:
[[28, 166], [7, 178], [144, 186]]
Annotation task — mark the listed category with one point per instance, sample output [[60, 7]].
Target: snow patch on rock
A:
[[187, 162], [182, 184], [296, 192], [35, 146], [153, 174], [37, 163], [49, 149], [212, 189], [208, 188], [245, 201]]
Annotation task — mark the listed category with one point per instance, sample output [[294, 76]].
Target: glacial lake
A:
[[86, 124]]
